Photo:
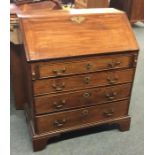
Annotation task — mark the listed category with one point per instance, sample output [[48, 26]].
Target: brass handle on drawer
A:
[[114, 64], [84, 113], [88, 66], [87, 80], [59, 105], [86, 95], [108, 113], [59, 87], [112, 80], [59, 123], [59, 72], [111, 96]]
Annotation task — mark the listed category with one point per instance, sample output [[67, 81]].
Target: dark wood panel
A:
[[78, 35], [69, 67], [54, 103], [56, 85], [62, 120]]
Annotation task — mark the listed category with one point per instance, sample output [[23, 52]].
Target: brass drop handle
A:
[[59, 123], [84, 113], [108, 113], [60, 104], [112, 80], [59, 87], [87, 80], [111, 96], [114, 64], [88, 66], [59, 72], [86, 95]]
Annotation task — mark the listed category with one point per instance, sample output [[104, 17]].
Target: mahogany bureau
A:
[[79, 69]]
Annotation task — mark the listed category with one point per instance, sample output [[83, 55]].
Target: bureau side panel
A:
[[28, 106]]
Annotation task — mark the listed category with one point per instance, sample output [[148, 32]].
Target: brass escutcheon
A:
[[78, 19], [86, 95], [87, 80]]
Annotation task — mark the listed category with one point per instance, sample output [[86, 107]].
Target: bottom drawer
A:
[[73, 118]]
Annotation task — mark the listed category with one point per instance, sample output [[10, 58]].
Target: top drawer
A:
[[61, 68]]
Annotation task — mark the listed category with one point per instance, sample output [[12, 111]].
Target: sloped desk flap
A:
[[60, 34]]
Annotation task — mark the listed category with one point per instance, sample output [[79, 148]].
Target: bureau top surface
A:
[[60, 34]]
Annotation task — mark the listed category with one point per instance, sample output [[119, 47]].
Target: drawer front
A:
[[75, 118], [56, 85], [53, 103], [50, 69]]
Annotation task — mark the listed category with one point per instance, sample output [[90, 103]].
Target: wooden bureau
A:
[[79, 69]]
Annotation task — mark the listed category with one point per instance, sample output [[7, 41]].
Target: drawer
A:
[[83, 116], [56, 85], [54, 103], [51, 69]]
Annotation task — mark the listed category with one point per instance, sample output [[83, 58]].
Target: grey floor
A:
[[110, 142]]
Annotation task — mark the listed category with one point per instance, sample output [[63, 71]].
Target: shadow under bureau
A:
[[79, 68]]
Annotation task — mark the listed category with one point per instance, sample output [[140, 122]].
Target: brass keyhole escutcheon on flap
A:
[[78, 19]]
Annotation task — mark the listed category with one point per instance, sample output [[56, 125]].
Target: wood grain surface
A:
[[48, 36], [62, 120], [94, 96]]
